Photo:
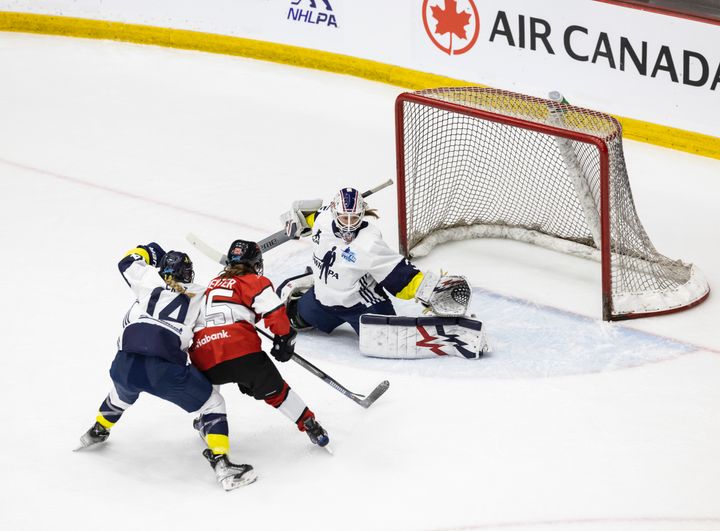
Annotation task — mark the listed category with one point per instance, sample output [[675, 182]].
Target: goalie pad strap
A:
[[421, 337], [392, 320]]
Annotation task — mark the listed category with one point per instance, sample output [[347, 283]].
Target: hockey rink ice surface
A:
[[570, 423]]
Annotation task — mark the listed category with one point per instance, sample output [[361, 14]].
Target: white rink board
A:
[[394, 33]]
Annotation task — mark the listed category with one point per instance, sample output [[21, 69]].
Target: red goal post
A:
[[475, 162]]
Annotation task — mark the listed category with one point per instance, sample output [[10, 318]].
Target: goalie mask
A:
[[247, 253], [348, 209], [176, 266]]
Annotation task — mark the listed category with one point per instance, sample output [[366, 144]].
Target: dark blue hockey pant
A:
[[328, 318], [182, 385]]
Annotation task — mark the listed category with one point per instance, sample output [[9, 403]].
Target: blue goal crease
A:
[[527, 340]]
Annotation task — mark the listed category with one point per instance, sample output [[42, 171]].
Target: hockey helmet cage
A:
[[177, 266], [245, 252], [348, 209]]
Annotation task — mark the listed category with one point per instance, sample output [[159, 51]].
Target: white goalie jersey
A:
[[359, 272]]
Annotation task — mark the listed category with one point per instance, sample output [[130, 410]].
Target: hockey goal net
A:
[[475, 162]]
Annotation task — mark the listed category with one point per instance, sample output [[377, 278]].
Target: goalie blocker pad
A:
[[385, 336], [295, 287]]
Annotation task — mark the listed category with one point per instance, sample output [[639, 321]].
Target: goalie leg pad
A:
[[393, 337]]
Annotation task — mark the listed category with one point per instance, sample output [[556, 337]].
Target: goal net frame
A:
[[616, 306]]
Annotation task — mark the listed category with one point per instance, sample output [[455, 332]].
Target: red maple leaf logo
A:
[[451, 24], [450, 20]]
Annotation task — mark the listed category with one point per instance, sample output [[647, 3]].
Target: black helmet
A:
[[176, 266], [245, 252]]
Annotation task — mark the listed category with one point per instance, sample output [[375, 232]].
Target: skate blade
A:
[[234, 482], [84, 445], [328, 449]]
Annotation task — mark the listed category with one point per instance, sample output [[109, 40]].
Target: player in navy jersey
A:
[[152, 355]]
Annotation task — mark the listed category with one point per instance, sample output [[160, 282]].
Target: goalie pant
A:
[[228, 349], [353, 278], [152, 350]]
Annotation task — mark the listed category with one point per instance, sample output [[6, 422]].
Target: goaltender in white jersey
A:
[[349, 273], [353, 272]]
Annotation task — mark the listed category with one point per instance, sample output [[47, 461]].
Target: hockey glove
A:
[[284, 346], [154, 251], [445, 295], [298, 221]]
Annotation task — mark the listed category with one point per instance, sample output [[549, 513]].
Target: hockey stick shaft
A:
[[379, 187], [365, 402], [267, 243]]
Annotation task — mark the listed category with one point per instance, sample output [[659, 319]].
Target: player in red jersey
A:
[[227, 349]]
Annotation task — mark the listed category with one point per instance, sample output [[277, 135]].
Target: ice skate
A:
[[229, 475], [95, 435], [316, 432]]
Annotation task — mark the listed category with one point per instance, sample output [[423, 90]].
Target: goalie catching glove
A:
[[446, 295], [298, 221]]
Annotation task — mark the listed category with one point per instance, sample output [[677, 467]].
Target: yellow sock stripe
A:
[[697, 143], [141, 252], [104, 422], [219, 444], [409, 291]]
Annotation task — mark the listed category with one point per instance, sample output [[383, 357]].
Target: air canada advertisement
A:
[[445, 21], [640, 64], [625, 60]]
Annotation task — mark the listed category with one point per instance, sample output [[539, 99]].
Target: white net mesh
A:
[[482, 163]]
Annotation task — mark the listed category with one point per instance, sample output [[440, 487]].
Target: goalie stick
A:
[[362, 400], [266, 243]]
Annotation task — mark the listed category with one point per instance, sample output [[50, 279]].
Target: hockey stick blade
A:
[[204, 248], [365, 402], [375, 394]]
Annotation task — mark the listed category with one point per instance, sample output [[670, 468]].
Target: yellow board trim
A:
[[104, 422], [682, 140], [409, 291]]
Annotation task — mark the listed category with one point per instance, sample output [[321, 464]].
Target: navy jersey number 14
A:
[[181, 303]]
